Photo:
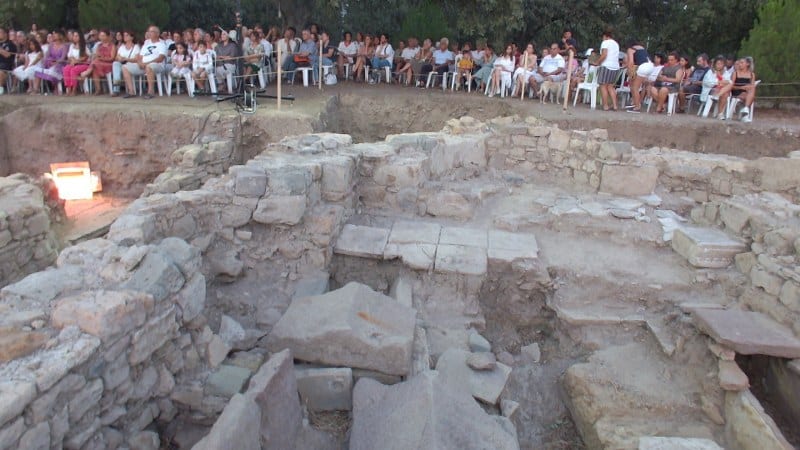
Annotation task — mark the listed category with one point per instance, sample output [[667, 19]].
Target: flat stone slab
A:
[[416, 256], [468, 237], [507, 246], [325, 388], [461, 259], [361, 241], [748, 333], [484, 385], [350, 327], [424, 413], [706, 247], [676, 443], [409, 232], [227, 381]]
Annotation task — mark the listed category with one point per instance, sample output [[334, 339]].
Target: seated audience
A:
[[693, 83], [407, 58], [181, 64], [503, 68], [464, 67], [227, 52], [33, 61], [742, 86], [348, 50], [8, 55], [714, 81], [483, 74], [551, 68], [302, 57], [126, 53], [202, 65], [150, 61], [363, 58], [328, 55], [422, 62], [442, 58], [77, 63], [527, 68], [667, 82], [384, 54], [103, 59]]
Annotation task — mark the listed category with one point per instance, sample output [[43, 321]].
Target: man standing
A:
[[608, 70], [149, 62], [694, 85], [8, 56]]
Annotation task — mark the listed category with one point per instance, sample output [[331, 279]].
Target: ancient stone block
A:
[[449, 204], [628, 180], [152, 336], [16, 343], [731, 377], [339, 328], [157, 276], [706, 247], [325, 389], [423, 412], [337, 178], [281, 210], [274, 390], [484, 385], [468, 237], [558, 139], [192, 297], [15, 395], [227, 381], [614, 151], [748, 333], [416, 256], [506, 246], [461, 260], [237, 427], [249, 182], [407, 232], [103, 313], [361, 241]]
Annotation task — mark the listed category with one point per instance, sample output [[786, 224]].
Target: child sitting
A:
[[464, 69]]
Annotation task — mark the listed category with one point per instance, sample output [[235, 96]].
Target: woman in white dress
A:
[[503, 68], [527, 67], [33, 61]]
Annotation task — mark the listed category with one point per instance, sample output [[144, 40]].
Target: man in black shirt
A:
[[694, 84], [8, 54]]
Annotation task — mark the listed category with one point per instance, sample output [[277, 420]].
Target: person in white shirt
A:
[[552, 67], [348, 49], [202, 66], [384, 54], [408, 55], [287, 46], [608, 70], [442, 58], [149, 62]]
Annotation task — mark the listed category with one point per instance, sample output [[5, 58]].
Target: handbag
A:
[[301, 59]]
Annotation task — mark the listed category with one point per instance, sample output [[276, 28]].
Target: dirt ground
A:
[[370, 112]]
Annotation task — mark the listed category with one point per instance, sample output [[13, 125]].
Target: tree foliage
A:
[[122, 14], [774, 44], [45, 13], [425, 21]]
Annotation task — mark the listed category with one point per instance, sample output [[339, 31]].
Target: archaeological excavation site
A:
[[397, 272]]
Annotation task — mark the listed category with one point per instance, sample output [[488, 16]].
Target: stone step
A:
[[706, 247], [748, 333]]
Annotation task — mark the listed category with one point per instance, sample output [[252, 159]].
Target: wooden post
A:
[[319, 62], [569, 78], [280, 74], [524, 68]]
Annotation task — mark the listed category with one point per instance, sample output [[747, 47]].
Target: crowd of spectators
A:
[[41, 60]]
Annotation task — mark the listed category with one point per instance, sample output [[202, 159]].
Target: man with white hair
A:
[[150, 61], [227, 51]]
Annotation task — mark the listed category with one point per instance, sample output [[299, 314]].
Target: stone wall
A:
[[92, 348], [27, 243]]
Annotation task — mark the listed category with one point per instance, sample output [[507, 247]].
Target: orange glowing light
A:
[[74, 180]]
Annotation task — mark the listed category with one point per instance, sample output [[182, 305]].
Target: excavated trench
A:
[[592, 328]]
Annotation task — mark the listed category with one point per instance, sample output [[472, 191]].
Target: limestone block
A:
[[628, 180], [104, 314], [731, 377], [131, 229], [402, 173], [506, 246], [144, 440], [17, 343], [84, 400], [614, 151], [230, 330], [216, 351], [422, 413], [9, 436], [157, 276], [762, 278], [337, 178], [15, 395], [706, 247], [449, 204], [747, 333], [227, 381], [237, 427], [74, 348], [155, 333], [36, 438], [749, 426], [468, 237], [249, 182], [42, 287], [676, 443], [274, 390], [353, 326], [192, 297], [281, 210], [461, 260], [484, 385], [482, 361], [361, 241], [558, 139], [289, 181], [325, 389], [416, 256]]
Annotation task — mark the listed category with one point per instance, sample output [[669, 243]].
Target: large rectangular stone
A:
[[628, 180], [280, 210], [506, 246], [249, 182], [409, 232], [325, 389], [415, 256], [706, 247], [461, 260], [14, 397], [361, 241], [469, 237], [103, 313], [152, 336], [748, 333]]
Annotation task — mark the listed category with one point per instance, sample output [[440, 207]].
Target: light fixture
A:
[[75, 180]]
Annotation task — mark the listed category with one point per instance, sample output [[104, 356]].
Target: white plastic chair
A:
[[590, 85], [143, 81], [306, 71], [672, 101], [387, 71], [505, 85], [734, 102]]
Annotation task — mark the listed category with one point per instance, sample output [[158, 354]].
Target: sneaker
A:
[[746, 119], [633, 111], [721, 116], [745, 111]]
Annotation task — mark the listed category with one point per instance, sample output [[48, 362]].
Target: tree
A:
[[774, 44], [46, 14], [135, 15], [425, 21]]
